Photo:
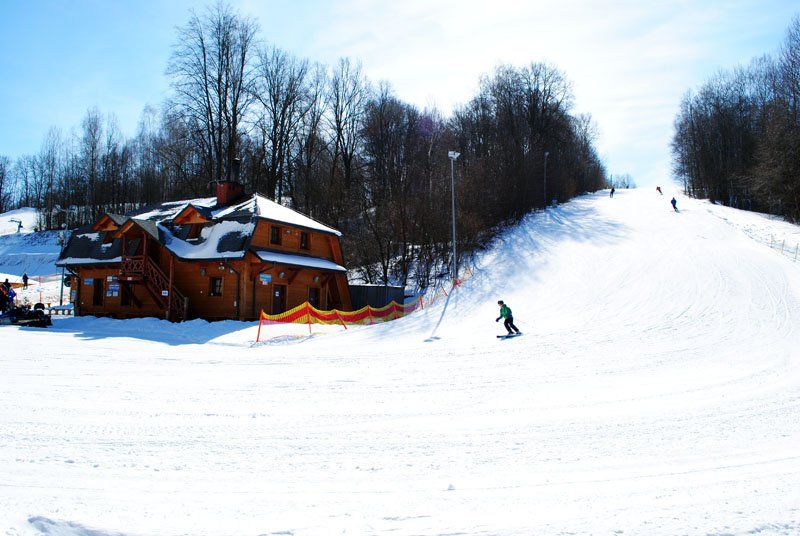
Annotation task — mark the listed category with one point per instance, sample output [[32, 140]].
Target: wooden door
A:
[[278, 299]]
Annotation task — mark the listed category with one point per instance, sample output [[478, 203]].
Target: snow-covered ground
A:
[[656, 391], [21, 220], [24, 251]]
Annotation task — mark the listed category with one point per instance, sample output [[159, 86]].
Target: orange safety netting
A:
[[306, 313]]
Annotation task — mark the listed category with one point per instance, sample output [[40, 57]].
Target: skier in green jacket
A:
[[505, 312]]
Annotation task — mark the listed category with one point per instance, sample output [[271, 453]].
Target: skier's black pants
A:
[[509, 324]]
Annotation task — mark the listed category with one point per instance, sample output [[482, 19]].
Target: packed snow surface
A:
[[655, 391]]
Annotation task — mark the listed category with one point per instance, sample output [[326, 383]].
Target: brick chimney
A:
[[230, 190]]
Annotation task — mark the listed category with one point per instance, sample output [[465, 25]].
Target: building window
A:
[[216, 286], [313, 296], [304, 240], [275, 235]]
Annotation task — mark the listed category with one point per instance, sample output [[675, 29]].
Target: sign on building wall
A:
[[113, 290], [265, 279]]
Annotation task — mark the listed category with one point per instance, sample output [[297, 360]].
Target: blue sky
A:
[[629, 61]]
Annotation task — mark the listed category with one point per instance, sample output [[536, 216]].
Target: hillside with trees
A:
[[326, 141], [737, 140]]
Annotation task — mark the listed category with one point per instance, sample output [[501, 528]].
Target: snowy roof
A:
[[226, 239], [297, 260], [74, 261], [88, 247], [226, 236], [267, 209], [166, 211], [253, 206]]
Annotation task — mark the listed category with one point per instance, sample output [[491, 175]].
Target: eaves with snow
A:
[[225, 233]]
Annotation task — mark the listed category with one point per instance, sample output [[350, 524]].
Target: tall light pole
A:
[[453, 155], [546, 154], [62, 240]]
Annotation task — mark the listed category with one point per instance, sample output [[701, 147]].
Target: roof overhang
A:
[[190, 215], [144, 225], [107, 222], [301, 261], [73, 261]]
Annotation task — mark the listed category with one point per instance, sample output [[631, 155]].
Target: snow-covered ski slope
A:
[[656, 391]]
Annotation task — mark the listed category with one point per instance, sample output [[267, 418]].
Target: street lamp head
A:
[[546, 154], [453, 155]]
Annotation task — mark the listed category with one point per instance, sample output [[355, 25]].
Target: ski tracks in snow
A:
[[656, 391]]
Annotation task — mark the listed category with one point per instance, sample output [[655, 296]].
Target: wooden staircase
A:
[[140, 268]]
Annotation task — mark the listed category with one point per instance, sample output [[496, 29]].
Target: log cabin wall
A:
[[195, 280], [101, 292], [317, 245], [257, 285], [208, 298], [296, 286], [219, 288]]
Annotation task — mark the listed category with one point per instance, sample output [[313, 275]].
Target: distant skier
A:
[[612, 191], [674, 204], [505, 312], [25, 281], [658, 189]]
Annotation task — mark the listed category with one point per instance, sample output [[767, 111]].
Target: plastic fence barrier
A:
[[305, 313]]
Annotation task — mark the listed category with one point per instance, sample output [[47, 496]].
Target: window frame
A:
[[275, 233], [215, 290]]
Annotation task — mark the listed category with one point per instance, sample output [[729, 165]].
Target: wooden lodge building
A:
[[225, 257]]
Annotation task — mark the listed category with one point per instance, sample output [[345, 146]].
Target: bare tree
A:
[[789, 68], [348, 94], [282, 95], [311, 153], [5, 184], [213, 77], [90, 154], [25, 170]]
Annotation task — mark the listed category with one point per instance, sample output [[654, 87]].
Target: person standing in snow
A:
[[658, 189], [674, 204], [612, 191], [505, 312], [25, 281]]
